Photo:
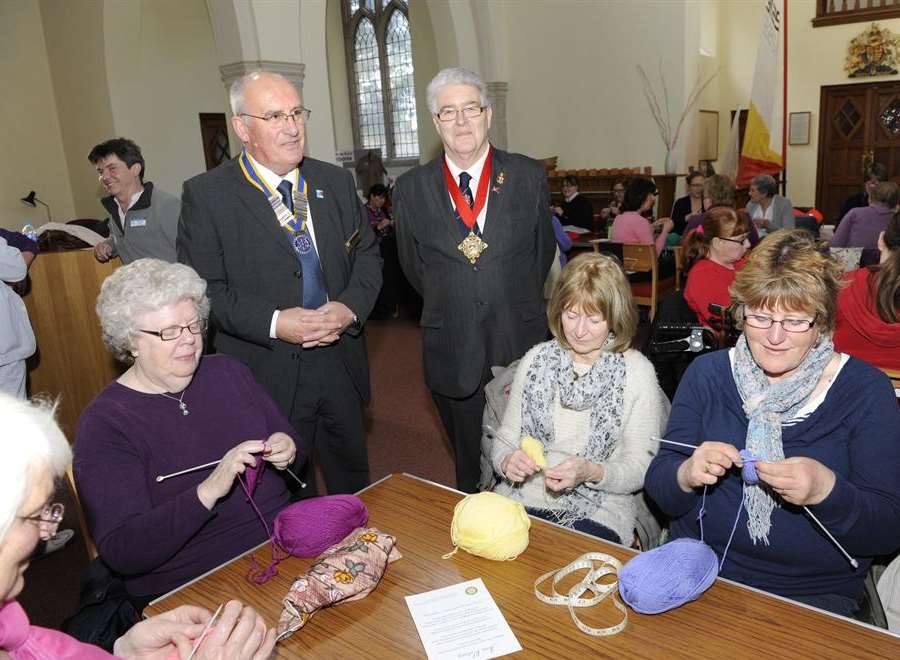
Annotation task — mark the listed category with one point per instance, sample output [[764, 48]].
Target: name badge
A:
[[137, 222]]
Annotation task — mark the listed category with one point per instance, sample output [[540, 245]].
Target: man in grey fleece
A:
[[143, 219]]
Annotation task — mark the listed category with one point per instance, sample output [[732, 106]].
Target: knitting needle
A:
[[853, 562], [205, 632], [677, 444], [163, 477]]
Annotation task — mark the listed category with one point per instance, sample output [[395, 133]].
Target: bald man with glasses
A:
[[293, 271]]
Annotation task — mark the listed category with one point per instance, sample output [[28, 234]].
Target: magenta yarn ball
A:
[[309, 527]]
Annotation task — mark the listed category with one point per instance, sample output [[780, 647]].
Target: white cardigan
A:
[[645, 416]]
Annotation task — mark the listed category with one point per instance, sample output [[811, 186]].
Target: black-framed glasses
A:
[[450, 114], [739, 241], [175, 331], [763, 322], [299, 115]]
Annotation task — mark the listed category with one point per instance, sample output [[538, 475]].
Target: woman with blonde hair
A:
[[592, 403], [821, 428], [712, 255]]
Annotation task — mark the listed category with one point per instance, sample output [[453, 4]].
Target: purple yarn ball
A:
[[309, 527], [668, 576], [748, 472]]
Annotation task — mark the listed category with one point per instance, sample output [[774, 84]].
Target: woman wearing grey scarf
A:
[[823, 427], [592, 405]]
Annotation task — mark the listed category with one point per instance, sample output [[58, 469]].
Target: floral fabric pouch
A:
[[347, 571]]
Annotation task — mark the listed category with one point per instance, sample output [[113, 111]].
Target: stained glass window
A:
[[384, 102], [403, 97]]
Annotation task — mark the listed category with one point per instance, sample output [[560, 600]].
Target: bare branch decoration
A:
[[660, 110]]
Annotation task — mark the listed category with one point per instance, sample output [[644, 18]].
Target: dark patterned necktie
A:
[[464, 179], [314, 294]]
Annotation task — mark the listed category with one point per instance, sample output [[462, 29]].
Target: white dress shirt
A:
[[475, 171], [273, 180]]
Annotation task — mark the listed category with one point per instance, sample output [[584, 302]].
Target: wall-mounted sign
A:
[[874, 52]]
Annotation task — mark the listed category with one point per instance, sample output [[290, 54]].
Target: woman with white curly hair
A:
[[38, 456], [174, 409]]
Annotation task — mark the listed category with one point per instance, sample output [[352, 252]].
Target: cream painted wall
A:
[[426, 65], [573, 87], [31, 126], [337, 76], [74, 37], [162, 72], [320, 134]]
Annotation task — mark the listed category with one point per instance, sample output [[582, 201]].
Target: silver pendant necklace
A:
[[181, 404]]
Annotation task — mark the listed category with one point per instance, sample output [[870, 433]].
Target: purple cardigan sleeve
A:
[[110, 470]]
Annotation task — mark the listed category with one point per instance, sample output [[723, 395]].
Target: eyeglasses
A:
[[450, 114], [762, 322], [175, 331], [739, 241], [48, 519], [300, 115]]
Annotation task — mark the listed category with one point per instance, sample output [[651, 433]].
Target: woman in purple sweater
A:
[[172, 410]]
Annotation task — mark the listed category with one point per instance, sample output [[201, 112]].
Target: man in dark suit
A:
[[293, 270], [475, 239]]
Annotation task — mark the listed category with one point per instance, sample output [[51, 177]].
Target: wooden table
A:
[[728, 621]]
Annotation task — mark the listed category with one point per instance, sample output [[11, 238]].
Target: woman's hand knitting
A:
[[572, 472], [235, 462], [240, 634], [280, 450], [799, 480], [709, 461], [517, 466]]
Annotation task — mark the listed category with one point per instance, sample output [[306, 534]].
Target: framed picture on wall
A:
[[798, 127]]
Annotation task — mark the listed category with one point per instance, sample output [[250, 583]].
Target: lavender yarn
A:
[[309, 527], [748, 472], [669, 576]]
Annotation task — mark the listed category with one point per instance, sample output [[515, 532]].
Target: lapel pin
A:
[[501, 177], [320, 194]]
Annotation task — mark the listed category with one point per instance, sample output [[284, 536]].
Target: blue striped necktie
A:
[[314, 294]]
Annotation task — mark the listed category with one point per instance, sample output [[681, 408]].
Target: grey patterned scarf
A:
[[601, 390], [767, 405]]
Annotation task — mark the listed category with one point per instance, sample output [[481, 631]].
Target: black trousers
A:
[[328, 414], [462, 419]]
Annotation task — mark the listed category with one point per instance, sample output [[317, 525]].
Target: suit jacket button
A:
[[298, 273], [475, 268]]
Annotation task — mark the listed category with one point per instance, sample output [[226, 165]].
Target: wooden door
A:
[[214, 134], [857, 124]]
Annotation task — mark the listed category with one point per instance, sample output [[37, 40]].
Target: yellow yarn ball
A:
[[490, 526], [534, 450]]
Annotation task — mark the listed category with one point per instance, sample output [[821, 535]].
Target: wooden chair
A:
[[82, 521], [679, 261], [641, 259]]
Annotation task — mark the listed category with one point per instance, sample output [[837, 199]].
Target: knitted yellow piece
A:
[[534, 450], [491, 526]]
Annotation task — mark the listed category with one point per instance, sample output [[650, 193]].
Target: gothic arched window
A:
[[379, 59]]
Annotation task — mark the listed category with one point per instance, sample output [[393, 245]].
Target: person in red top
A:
[[867, 324], [712, 255]]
